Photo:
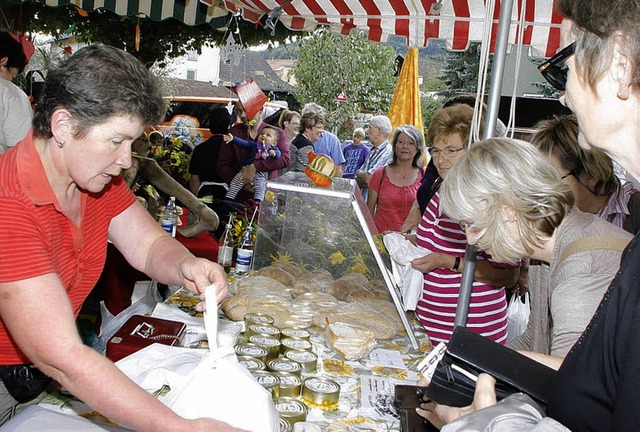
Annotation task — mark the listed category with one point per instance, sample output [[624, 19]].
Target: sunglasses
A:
[[554, 70]]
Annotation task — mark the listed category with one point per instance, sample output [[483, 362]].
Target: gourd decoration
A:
[[320, 169]]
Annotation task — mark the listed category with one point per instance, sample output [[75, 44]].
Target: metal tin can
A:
[[320, 391], [269, 342], [252, 350], [269, 381], [290, 384], [307, 359], [291, 409], [296, 332], [284, 425], [257, 318], [262, 329], [251, 363], [294, 344], [284, 365]]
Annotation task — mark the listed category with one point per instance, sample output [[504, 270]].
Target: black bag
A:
[[407, 399], [24, 382], [470, 354]]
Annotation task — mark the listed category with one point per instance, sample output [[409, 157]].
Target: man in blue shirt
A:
[[381, 153]]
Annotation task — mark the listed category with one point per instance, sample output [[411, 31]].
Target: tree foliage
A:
[[329, 64], [461, 73], [159, 40]]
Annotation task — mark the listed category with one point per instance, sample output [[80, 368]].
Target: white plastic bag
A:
[[204, 384], [517, 315], [408, 279]]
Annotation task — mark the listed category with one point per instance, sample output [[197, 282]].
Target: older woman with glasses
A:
[[597, 387], [289, 122], [588, 173], [446, 241]]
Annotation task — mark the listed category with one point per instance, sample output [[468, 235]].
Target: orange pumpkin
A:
[[320, 169]]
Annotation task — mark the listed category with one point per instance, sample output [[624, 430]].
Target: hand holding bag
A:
[[470, 354], [220, 388]]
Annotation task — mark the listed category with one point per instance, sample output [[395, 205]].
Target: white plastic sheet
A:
[[409, 280]]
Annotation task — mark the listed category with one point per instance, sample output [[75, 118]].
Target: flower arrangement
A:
[[174, 156], [239, 226]]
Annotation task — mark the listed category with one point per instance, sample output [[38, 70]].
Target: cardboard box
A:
[[140, 331]]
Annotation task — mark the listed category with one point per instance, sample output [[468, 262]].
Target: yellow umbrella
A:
[[405, 105]]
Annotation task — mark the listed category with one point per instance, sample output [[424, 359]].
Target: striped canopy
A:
[[456, 21]]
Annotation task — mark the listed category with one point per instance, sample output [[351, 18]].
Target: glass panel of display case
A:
[[329, 229]]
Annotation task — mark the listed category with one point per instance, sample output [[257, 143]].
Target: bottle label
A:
[[243, 261], [225, 255], [169, 226]]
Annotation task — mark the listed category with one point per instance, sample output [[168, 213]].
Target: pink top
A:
[[394, 202], [436, 310]]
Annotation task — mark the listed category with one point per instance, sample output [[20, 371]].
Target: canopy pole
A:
[[493, 104]]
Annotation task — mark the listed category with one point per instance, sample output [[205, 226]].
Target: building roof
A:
[[251, 64], [187, 88]]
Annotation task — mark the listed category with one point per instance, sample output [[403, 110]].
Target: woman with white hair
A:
[[513, 205]]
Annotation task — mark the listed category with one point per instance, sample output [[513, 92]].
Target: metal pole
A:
[[493, 104]]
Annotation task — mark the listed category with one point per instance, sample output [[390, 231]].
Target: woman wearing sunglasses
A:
[[597, 387]]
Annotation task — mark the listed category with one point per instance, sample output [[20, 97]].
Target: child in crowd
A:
[[354, 154], [266, 147]]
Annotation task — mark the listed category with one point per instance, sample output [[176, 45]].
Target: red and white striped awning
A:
[[458, 21]]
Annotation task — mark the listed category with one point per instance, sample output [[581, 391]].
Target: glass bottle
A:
[[169, 217], [245, 254], [225, 247]]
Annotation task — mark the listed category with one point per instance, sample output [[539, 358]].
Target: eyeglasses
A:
[[554, 70], [569, 174], [448, 152]]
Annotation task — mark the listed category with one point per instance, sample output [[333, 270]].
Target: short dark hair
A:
[[95, 84], [12, 50], [309, 120], [220, 120]]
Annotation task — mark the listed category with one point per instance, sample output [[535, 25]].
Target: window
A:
[[192, 55], [191, 74]]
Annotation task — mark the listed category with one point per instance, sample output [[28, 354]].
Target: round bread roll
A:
[[348, 284], [278, 274], [261, 285], [319, 280], [295, 270]]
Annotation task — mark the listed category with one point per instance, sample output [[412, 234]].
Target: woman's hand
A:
[[430, 262], [199, 273], [440, 415]]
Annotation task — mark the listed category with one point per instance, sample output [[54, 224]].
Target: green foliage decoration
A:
[[329, 64]]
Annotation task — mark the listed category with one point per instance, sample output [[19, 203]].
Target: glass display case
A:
[[326, 228]]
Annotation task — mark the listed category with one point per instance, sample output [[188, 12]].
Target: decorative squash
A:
[[320, 169]]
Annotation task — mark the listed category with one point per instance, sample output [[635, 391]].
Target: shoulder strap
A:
[[617, 244], [384, 173]]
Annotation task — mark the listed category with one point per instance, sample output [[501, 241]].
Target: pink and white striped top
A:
[[436, 310]]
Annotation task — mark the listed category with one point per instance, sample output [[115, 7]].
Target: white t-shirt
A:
[[15, 114]]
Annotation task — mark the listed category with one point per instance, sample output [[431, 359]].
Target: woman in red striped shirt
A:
[[445, 239]]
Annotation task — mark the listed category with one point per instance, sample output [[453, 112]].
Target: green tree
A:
[[329, 64], [159, 40], [461, 72]]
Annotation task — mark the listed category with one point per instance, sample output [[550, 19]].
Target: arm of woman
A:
[[413, 218], [146, 246], [37, 311], [485, 272], [374, 190]]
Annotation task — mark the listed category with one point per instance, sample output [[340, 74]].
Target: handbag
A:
[[24, 382], [470, 354]]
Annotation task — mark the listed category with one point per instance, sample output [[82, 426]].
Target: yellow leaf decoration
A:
[[337, 367], [337, 258]]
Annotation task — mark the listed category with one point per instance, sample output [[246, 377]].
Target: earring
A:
[[60, 143]]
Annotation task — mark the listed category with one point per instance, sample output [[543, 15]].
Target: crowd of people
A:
[[550, 214]]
